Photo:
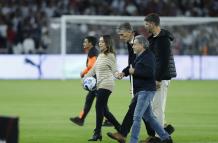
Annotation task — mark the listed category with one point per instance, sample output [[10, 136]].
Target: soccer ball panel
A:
[[89, 83]]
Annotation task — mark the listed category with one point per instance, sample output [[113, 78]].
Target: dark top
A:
[[144, 75], [161, 47], [131, 57], [93, 52]]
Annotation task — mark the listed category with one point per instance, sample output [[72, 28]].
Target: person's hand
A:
[[131, 70], [81, 75], [158, 84], [121, 75], [117, 75]]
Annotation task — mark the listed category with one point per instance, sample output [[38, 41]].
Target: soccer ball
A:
[[89, 83]]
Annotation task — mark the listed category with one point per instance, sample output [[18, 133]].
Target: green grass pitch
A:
[[44, 108]]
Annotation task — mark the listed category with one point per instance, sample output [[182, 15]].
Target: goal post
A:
[[116, 20], [192, 34]]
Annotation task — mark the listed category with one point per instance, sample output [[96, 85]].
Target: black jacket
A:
[[144, 75], [93, 52], [161, 47], [131, 57]]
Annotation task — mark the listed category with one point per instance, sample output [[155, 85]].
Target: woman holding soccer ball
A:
[[105, 70]]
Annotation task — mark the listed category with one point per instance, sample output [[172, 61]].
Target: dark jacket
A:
[[131, 57], [93, 52], [161, 47], [144, 75], [91, 59]]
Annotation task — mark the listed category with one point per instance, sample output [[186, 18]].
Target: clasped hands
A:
[[122, 74], [119, 75]]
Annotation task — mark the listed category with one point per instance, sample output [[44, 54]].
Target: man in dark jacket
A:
[[160, 44], [143, 72]]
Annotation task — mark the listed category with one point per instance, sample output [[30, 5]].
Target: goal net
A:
[[193, 35]]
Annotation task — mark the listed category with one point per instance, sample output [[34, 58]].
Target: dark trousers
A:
[[102, 110], [128, 120], [88, 103]]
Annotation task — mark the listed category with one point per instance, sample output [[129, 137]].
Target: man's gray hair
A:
[[124, 27], [142, 40]]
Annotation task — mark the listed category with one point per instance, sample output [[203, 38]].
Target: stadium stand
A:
[[29, 19]]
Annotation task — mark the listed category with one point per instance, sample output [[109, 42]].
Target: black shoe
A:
[[117, 136], [107, 124], [167, 140], [151, 139], [77, 121], [169, 129], [96, 137], [154, 140]]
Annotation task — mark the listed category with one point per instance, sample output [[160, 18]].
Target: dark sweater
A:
[[131, 57], [161, 47], [144, 75], [93, 52]]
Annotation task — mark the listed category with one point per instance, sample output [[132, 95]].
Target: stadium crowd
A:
[[24, 23]]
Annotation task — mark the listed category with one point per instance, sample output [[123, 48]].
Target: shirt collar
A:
[[132, 40]]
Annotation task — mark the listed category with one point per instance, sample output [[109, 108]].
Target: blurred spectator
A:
[[28, 45], [19, 17], [11, 37]]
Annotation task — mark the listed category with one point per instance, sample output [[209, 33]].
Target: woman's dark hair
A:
[[109, 44]]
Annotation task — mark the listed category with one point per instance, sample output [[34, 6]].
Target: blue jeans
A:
[[143, 109]]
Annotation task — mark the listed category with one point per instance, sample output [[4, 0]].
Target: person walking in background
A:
[[143, 72], [89, 47], [105, 70], [160, 44], [89, 44]]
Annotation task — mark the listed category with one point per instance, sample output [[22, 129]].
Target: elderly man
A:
[[143, 72]]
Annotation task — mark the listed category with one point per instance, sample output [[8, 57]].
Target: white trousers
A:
[[159, 101]]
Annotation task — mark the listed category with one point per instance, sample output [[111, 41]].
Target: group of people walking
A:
[[151, 66]]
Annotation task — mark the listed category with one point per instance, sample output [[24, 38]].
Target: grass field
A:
[[44, 108]]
